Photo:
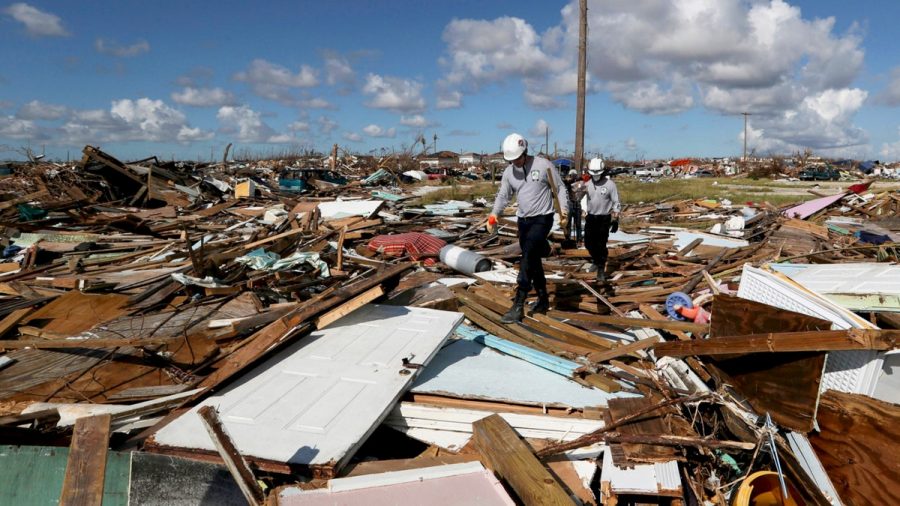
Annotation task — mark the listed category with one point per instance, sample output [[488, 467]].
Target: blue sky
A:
[[666, 78]]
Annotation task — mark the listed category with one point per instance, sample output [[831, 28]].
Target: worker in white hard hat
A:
[[575, 189], [528, 178], [602, 214]]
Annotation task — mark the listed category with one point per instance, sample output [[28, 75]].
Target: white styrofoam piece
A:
[[451, 428], [845, 371], [646, 479], [508, 275], [810, 463], [315, 402], [346, 208], [468, 370]]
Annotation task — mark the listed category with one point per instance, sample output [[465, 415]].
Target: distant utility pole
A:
[[435, 142], [582, 70], [547, 139], [744, 158]]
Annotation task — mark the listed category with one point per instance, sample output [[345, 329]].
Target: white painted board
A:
[[315, 402]]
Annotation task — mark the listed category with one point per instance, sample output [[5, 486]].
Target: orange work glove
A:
[[492, 223]]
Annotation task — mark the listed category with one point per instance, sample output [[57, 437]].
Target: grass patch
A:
[[466, 192], [633, 191]]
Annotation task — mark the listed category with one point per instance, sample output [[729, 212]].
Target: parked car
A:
[[704, 173], [820, 174]]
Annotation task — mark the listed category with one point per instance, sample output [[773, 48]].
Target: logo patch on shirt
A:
[[535, 175], [603, 190]]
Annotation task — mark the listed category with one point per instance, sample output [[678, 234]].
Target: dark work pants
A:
[[596, 233], [574, 220], [533, 232]]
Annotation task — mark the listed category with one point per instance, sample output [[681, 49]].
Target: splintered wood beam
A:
[[349, 306], [235, 463], [86, 466], [272, 238], [622, 321], [49, 344], [817, 340], [626, 349], [511, 459]]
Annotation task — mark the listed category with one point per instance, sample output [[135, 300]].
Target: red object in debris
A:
[[415, 244], [860, 187], [680, 162]]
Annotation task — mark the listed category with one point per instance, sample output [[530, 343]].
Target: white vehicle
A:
[[649, 172]]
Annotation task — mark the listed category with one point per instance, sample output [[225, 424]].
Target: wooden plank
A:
[[13, 319], [52, 344], [857, 445], [340, 250], [349, 306], [86, 467], [780, 342], [622, 321], [272, 238], [641, 344], [235, 463], [511, 459]]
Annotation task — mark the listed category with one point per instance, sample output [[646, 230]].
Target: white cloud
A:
[[890, 151], [298, 126], [275, 82], [142, 119], [665, 57], [17, 128], [40, 110], [394, 94], [314, 103], [417, 121], [244, 123], [36, 21], [114, 48], [377, 131], [338, 70], [188, 134], [539, 129], [449, 99], [890, 96], [352, 137], [203, 97], [326, 125]]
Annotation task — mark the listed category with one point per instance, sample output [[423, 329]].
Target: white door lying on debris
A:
[[315, 402]]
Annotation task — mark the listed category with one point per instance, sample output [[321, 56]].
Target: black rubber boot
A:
[[517, 311], [601, 273], [542, 304]]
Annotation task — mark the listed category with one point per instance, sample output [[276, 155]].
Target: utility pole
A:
[[547, 139], [435, 142], [582, 70]]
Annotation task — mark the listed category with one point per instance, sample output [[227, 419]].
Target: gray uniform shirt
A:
[[532, 188], [602, 196]]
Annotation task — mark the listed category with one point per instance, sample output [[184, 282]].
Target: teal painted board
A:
[[33, 475]]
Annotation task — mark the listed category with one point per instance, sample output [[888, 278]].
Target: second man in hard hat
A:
[[528, 178], [602, 214]]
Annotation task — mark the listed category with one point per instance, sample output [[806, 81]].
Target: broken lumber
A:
[[86, 466], [511, 459], [235, 463], [817, 340]]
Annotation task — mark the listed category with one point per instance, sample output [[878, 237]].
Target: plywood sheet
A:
[[316, 401]]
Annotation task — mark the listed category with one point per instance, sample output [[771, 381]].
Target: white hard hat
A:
[[513, 146], [595, 167]]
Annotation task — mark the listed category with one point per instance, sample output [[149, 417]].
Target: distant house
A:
[[496, 159], [470, 159], [439, 159]]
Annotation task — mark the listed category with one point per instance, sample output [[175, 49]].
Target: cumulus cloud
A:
[[664, 57], [417, 121], [203, 97], [122, 51], [463, 133], [891, 150], [449, 99], [540, 127], [41, 110], [326, 125], [394, 94], [16, 128], [374, 130], [275, 82], [890, 96], [298, 126], [338, 71], [245, 124], [352, 137], [37, 22], [141, 119]]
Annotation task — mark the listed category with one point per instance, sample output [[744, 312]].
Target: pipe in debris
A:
[[463, 260]]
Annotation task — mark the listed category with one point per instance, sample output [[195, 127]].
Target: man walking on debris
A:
[[528, 177], [575, 190], [602, 214]]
